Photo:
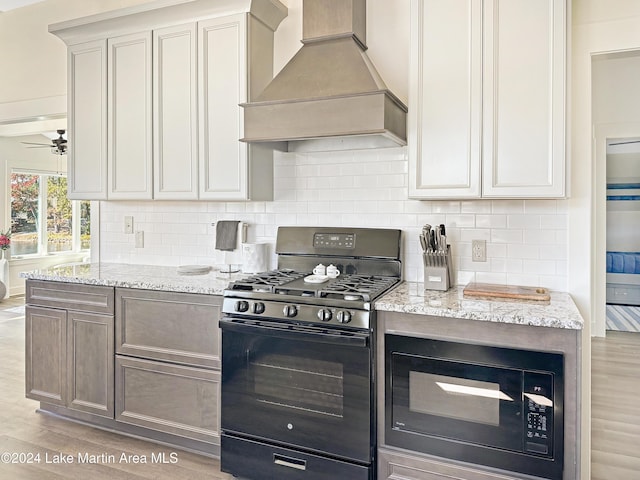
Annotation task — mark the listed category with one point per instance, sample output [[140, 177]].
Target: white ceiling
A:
[[6, 5]]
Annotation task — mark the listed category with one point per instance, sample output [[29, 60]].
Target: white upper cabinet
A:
[[129, 168], [175, 107], [154, 96], [487, 99], [223, 85], [87, 120]]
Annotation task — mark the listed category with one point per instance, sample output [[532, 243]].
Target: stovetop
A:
[[283, 295], [286, 282]]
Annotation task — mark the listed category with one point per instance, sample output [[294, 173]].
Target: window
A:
[[43, 219]]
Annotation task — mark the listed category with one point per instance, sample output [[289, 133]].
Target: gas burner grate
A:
[[358, 287], [267, 281]]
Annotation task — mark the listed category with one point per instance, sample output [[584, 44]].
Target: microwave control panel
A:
[[538, 413]]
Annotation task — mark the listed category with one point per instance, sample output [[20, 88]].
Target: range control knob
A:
[[344, 316], [290, 310], [324, 314], [241, 306], [258, 308]]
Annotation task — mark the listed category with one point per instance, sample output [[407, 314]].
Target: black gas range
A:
[[299, 358]]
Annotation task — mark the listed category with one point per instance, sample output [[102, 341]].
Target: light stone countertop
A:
[[410, 297], [147, 277]]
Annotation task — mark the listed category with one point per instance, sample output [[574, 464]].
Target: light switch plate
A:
[[140, 239]]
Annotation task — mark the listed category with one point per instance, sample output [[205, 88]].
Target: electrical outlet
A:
[[128, 224], [140, 239], [478, 250]]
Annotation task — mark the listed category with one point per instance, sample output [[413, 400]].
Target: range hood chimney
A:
[[329, 96]]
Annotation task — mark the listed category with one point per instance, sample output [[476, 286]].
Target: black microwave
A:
[[484, 405]]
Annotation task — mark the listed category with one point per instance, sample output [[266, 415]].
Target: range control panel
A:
[[334, 240], [538, 413]]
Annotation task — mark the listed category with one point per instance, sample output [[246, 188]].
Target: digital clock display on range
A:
[[334, 240]]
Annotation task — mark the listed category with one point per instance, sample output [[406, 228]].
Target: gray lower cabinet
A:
[[168, 362], [69, 346]]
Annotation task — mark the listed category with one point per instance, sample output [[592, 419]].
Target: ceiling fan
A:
[[58, 145]]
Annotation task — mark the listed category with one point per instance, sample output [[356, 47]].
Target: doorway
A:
[[623, 234], [617, 224]]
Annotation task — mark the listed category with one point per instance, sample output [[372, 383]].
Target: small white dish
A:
[[316, 278], [193, 269]]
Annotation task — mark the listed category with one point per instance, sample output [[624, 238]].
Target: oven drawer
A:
[[246, 457], [168, 326]]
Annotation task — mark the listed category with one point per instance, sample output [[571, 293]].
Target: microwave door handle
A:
[[307, 334]]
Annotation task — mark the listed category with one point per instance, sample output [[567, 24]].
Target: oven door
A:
[[299, 386]]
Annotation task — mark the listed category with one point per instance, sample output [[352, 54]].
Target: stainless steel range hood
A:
[[329, 96]]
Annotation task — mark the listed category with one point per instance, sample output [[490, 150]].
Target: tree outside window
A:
[[43, 218]]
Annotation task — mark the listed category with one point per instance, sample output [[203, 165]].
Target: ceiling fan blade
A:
[[625, 143], [32, 143], [40, 146]]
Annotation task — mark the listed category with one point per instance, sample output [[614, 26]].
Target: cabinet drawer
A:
[[622, 294], [168, 398], [70, 296], [399, 465], [173, 327]]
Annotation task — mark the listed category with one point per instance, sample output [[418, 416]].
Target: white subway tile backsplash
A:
[[523, 221], [540, 206], [491, 221], [526, 239], [475, 206], [507, 206], [500, 235]]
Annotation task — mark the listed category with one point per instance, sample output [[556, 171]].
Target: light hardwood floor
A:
[[615, 407], [23, 431], [615, 422]]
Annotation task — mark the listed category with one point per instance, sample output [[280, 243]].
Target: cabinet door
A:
[[90, 356], [129, 117], [445, 97], [169, 398], [223, 85], [524, 98], [87, 121], [175, 113], [45, 358]]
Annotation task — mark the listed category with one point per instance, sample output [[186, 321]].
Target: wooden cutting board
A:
[[507, 291]]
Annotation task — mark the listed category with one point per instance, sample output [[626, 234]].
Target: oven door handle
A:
[[297, 332]]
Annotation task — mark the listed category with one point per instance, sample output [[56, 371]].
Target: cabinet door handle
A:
[[289, 462]]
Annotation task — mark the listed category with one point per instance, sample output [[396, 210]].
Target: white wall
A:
[[34, 61]]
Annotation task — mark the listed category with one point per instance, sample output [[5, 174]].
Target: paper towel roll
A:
[[255, 257]]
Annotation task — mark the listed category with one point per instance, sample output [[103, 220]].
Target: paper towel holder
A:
[[231, 266]]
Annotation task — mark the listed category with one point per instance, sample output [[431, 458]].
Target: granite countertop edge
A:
[[407, 297]]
